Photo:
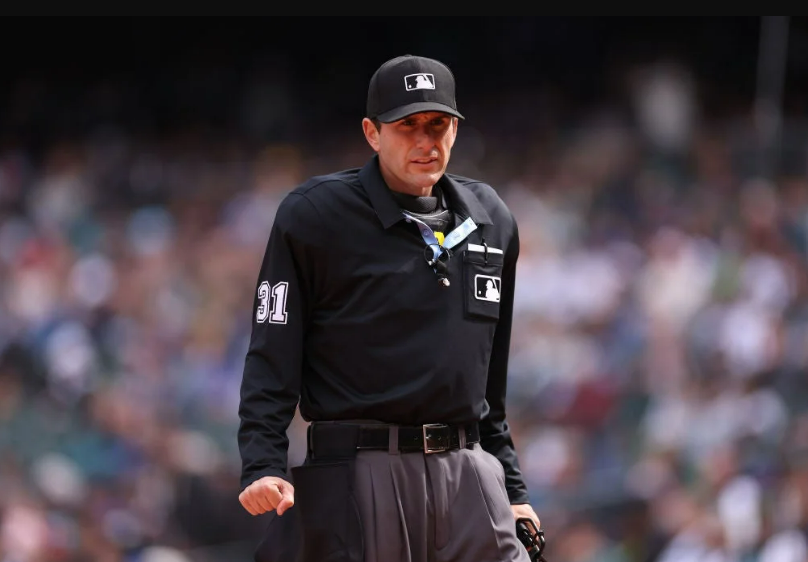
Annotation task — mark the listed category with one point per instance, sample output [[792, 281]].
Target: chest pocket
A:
[[482, 281]]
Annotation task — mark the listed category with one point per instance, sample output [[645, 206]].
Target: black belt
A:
[[336, 439]]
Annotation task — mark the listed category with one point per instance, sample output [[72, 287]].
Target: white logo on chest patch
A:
[[487, 288]]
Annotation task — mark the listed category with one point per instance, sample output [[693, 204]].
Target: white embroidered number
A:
[[277, 313]]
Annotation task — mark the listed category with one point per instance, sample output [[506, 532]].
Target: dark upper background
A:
[[158, 75]]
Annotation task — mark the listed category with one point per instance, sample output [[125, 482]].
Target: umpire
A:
[[383, 309]]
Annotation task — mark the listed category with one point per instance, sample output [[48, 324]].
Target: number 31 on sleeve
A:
[[277, 293]]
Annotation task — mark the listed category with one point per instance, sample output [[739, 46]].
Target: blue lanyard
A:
[[450, 241]]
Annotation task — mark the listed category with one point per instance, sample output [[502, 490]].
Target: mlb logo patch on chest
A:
[[487, 288]]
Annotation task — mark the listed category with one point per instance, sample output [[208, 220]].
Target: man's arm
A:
[[494, 432], [270, 386]]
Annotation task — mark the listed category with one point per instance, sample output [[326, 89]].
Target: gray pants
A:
[[443, 507]]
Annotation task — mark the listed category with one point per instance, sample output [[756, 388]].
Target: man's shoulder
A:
[[485, 192], [317, 192], [327, 184]]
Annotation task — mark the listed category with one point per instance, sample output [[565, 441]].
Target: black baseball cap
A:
[[410, 84]]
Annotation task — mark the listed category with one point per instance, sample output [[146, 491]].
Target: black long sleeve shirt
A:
[[350, 322]]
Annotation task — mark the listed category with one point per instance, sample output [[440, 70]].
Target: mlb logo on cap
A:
[[419, 82]]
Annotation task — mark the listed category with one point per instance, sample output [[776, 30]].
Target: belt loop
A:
[[310, 440], [461, 434], [392, 441]]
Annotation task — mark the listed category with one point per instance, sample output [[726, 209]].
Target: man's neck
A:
[[420, 192], [418, 204]]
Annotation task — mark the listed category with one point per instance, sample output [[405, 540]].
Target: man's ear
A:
[[371, 133], [455, 123]]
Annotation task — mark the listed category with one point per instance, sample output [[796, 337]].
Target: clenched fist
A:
[[266, 494]]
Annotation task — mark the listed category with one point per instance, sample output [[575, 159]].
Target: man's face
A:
[[414, 151]]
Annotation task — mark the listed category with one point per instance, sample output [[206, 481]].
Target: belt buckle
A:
[[431, 444]]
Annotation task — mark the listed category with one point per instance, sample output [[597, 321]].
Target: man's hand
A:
[[267, 494], [524, 510]]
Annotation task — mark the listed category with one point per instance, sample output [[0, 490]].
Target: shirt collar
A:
[[461, 200]]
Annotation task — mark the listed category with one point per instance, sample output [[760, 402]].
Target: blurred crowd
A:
[[657, 381]]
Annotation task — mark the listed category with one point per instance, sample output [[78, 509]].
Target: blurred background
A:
[[658, 168]]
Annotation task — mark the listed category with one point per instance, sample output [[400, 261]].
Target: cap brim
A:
[[419, 107]]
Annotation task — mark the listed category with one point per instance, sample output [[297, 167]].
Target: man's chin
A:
[[426, 180]]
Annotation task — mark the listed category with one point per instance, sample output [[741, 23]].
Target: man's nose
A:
[[425, 138]]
